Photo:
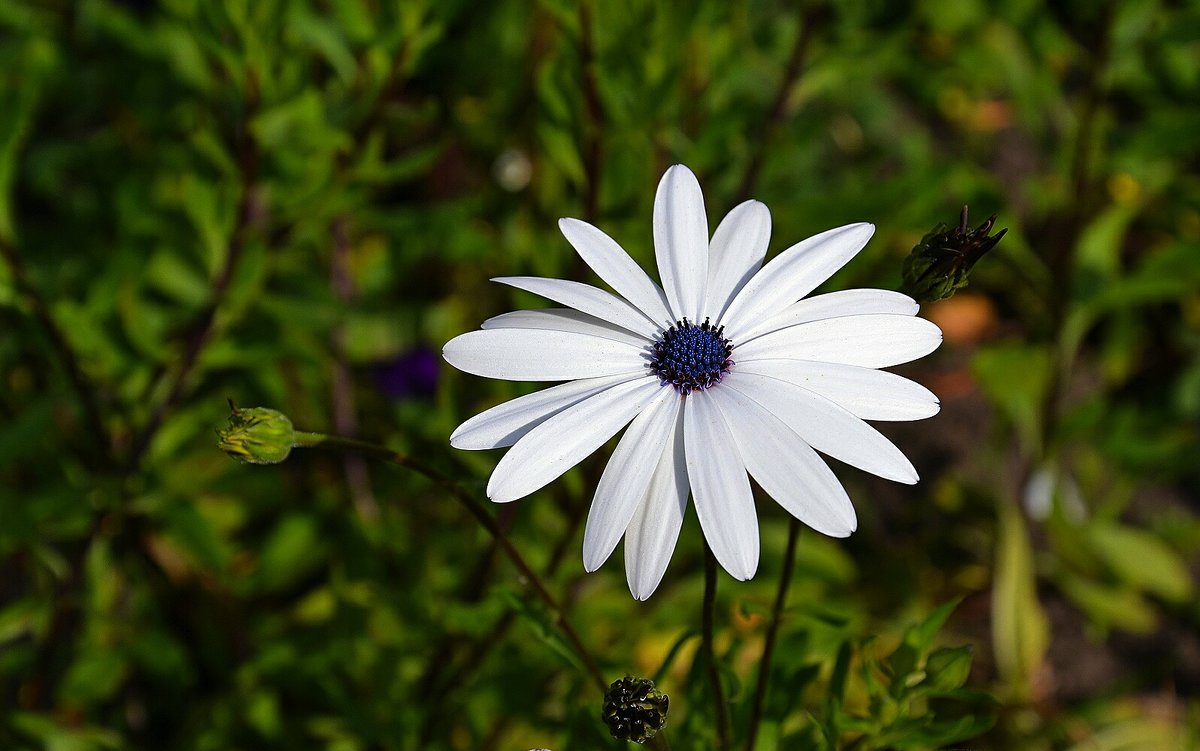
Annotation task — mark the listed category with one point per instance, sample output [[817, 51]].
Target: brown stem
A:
[[720, 706], [476, 509], [201, 331], [764, 666], [1062, 255], [345, 416]]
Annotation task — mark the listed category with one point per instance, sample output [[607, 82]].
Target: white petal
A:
[[612, 264], [681, 241], [505, 424], [627, 477], [735, 254], [849, 302], [564, 319], [872, 341], [825, 426], [587, 299], [787, 467], [793, 274], [561, 442], [720, 488], [540, 355], [867, 394], [654, 530]]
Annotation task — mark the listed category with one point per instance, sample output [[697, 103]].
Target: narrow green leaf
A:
[[1020, 631], [1141, 559]]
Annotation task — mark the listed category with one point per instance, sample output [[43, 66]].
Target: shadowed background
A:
[[295, 204]]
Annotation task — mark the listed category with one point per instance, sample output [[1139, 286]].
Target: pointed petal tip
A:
[[745, 573], [497, 494], [595, 552], [641, 590]]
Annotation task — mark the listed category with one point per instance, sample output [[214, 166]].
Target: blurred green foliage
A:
[[283, 202]]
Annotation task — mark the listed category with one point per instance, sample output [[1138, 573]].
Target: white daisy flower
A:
[[722, 371]]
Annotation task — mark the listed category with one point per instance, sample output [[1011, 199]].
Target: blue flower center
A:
[[691, 357]]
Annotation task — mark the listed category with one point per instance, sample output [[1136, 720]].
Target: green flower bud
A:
[[634, 709], [257, 435], [939, 264]]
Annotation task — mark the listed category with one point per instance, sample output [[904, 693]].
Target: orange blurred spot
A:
[[746, 621], [990, 116], [964, 319], [951, 384]]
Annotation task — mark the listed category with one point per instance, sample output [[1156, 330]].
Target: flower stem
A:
[[764, 665], [720, 706], [479, 511]]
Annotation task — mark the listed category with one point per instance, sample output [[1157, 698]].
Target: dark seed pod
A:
[[634, 710]]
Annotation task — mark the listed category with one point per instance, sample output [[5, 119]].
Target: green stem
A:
[[480, 512], [764, 666], [720, 706]]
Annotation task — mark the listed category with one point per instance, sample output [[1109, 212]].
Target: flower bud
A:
[[257, 435], [634, 709], [939, 264]]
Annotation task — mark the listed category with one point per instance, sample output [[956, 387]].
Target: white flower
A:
[[723, 370]]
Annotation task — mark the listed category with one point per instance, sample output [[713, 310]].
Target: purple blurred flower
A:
[[411, 374]]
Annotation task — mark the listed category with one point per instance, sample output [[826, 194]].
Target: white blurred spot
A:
[[1044, 486], [513, 171]]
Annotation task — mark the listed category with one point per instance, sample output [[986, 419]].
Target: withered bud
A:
[[940, 263]]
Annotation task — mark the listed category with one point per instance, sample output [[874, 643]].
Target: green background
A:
[[274, 201]]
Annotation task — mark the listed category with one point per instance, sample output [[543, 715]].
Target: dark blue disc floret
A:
[[691, 357]]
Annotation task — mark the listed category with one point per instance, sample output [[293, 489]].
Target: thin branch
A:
[[764, 665], [809, 22], [85, 391], [476, 509], [720, 705]]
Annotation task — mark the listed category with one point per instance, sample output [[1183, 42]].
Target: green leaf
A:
[[903, 661], [947, 668], [1015, 377], [95, 676], [921, 637], [293, 549], [1107, 606], [1141, 559], [53, 735], [939, 733]]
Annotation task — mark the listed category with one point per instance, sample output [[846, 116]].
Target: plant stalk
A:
[[720, 705]]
